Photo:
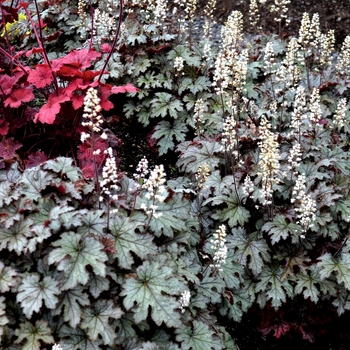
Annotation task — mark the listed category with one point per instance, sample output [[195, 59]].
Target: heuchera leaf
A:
[[153, 288], [198, 337], [8, 148], [74, 255], [33, 335], [40, 76], [96, 320], [63, 166], [19, 96], [80, 59], [4, 127], [7, 278], [3, 319], [49, 110], [32, 293], [126, 88]]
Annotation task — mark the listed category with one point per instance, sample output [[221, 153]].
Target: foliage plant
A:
[[256, 216]]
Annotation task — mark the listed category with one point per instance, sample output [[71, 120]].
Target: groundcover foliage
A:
[[256, 214]]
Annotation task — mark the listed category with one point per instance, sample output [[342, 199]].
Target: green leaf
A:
[[7, 278], [198, 337], [187, 55], [77, 339], [165, 133], [33, 181], [3, 319], [174, 215], [248, 250], [32, 293], [343, 207], [16, 237], [8, 193], [279, 229], [165, 104], [307, 283], [34, 334], [195, 154], [235, 213], [276, 290], [94, 223], [64, 168], [153, 287], [211, 287], [127, 241], [74, 255], [341, 267], [96, 320], [72, 301]]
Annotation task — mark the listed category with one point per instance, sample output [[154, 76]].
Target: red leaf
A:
[[49, 110], [80, 59], [35, 159], [126, 88], [109, 245], [88, 171], [7, 83], [40, 76], [4, 127], [8, 148], [105, 92], [19, 96], [106, 48], [77, 101], [34, 51]]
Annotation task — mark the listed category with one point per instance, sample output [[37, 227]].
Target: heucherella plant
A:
[[237, 215]]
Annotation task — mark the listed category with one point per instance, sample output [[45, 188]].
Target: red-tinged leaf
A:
[[109, 245], [307, 335], [40, 76], [52, 36], [77, 101], [105, 48], [80, 59], [105, 92], [35, 159], [126, 88], [69, 71], [8, 148], [49, 110], [7, 83], [89, 75], [18, 97], [88, 171], [85, 150], [4, 127], [42, 23], [279, 329], [34, 51], [23, 4]]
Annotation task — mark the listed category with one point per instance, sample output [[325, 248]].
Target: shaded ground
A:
[[334, 14]]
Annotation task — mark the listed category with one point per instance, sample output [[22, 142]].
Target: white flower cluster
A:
[[219, 247], [268, 160], [280, 7], [160, 12], [228, 139], [141, 169], [109, 183], [343, 62], [198, 114], [299, 110], [294, 157], [254, 14], [326, 48], [57, 347], [315, 107], [209, 18], [105, 26], [269, 59], [92, 117], [340, 113], [179, 63], [154, 186], [202, 174], [306, 206], [185, 300], [248, 186]]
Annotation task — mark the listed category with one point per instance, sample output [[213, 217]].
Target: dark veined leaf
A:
[[275, 289], [72, 301], [198, 337], [195, 154], [33, 335], [165, 104], [3, 319], [74, 254], [165, 132], [211, 287], [279, 229], [248, 249], [96, 320], [341, 267], [153, 288], [32, 293], [77, 339], [93, 222], [127, 241], [63, 166], [7, 278]]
